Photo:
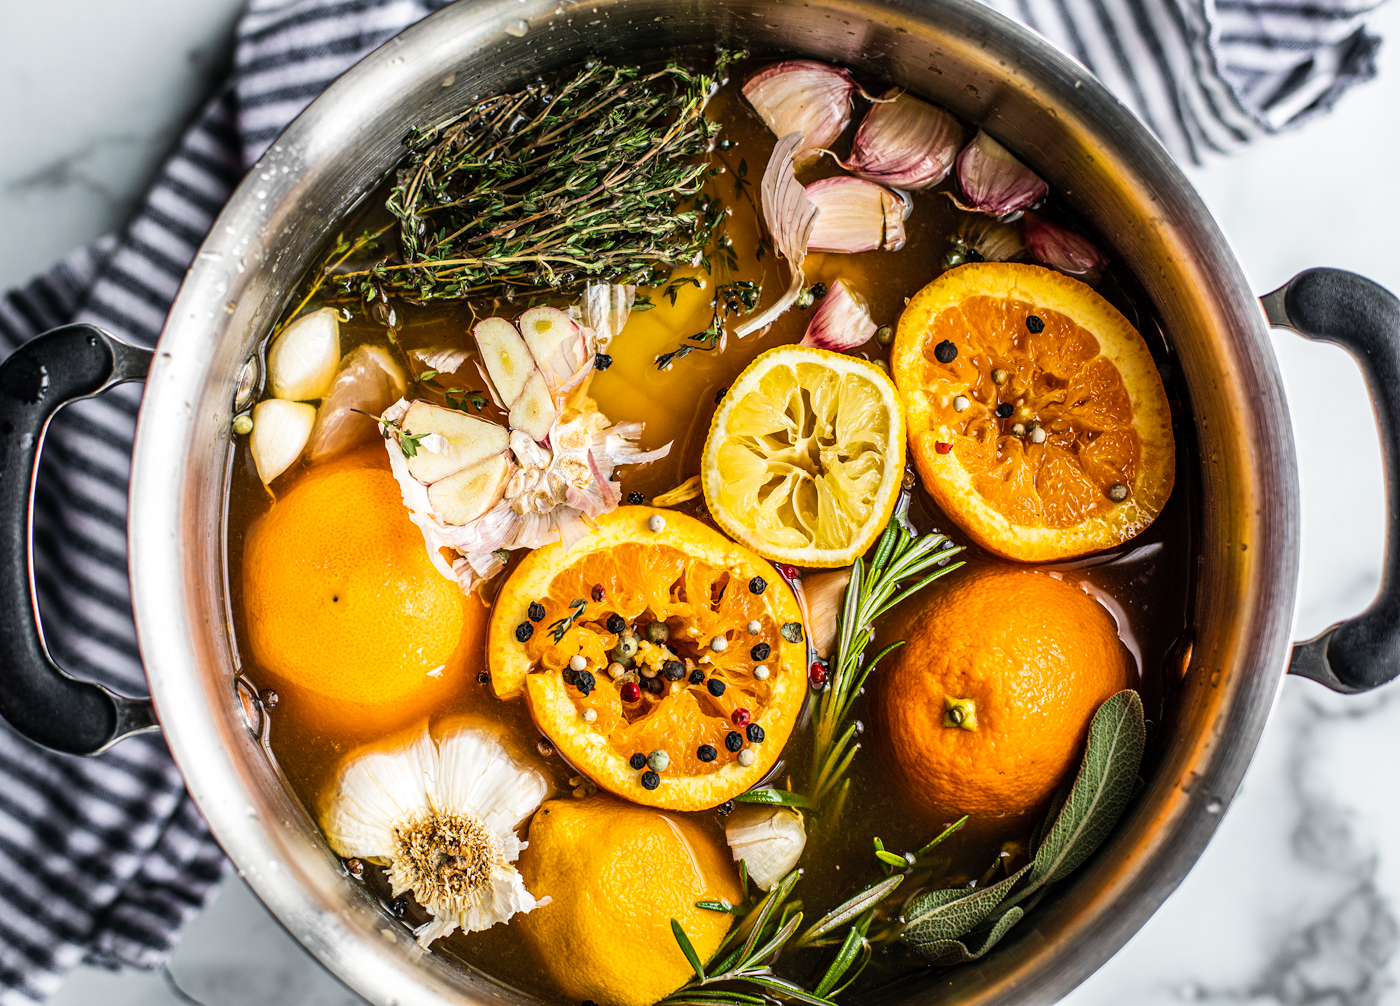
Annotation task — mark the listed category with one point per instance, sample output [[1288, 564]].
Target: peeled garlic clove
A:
[[824, 594], [1052, 245], [992, 181], [470, 440], [370, 380], [789, 216], [557, 343], [801, 95], [507, 358], [302, 361], [856, 216], [280, 431], [463, 497], [842, 321], [533, 412], [905, 143], [769, 840]]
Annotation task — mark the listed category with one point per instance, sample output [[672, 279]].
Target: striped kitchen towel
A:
[[104, 859]]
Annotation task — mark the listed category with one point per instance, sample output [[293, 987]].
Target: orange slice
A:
[[719, 711], [1081, 456]]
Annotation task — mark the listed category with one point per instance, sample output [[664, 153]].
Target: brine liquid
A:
[[1144, 584]]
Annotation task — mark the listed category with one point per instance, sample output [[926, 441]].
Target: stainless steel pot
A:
[[954, 52]]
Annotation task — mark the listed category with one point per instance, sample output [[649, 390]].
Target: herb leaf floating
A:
[[953, 926]]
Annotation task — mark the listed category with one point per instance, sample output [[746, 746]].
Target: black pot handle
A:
[[1341, 307], [37, 697]]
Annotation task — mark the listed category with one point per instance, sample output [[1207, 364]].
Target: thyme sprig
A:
[[903, 564], [546, 188], [559, 626]]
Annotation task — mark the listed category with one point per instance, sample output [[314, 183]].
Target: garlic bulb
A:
[[790, 216], [823, 595], [801, 95], [1052, 245], [856, 216], [842, 321], [992, 181], [769, 841], [302, 360], [369, 381], [280, 432], [905, 143], [442, 818]]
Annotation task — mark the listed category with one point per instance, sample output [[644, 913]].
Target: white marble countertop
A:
[[1295, 902]]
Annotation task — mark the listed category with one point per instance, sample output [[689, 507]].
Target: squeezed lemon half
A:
[[805, 456]]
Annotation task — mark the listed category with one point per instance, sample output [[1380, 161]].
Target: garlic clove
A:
[[856, 216], [505, 355], [1052, 245], [824, 594], [302, 361], [842, 321], [533, 412], [464, 496], [981, 238], [905, 143], [280, 432], [558, 345], [992, 181], [802, 95], [789, 216], [370, 380], [769, 841], [470, 440]]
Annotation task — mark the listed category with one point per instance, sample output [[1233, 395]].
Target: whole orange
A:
[[986, 706], [339, 595]]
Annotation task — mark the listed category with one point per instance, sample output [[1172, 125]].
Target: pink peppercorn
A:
[[630, 692], [941, 447], [740, 717], [789, 572], [817, 674]]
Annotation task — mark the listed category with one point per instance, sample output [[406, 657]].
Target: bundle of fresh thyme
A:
[[550, 187]]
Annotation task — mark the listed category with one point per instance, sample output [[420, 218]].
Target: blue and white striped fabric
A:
[[104, 859]]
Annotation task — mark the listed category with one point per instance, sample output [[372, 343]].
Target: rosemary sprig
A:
[[901, 556], [544, 189]]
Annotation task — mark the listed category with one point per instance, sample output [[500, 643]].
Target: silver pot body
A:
[[955, 53]]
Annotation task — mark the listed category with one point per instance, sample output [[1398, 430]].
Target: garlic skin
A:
[[802, 95], [905, 143], [769, 841], [280, 432], [302, 360], [823, 595], [441, 816], [1052, 245], [604, 308], [856, 216], [981, 238], [789, 216], [370, 380], [842, 321], [992, 181]]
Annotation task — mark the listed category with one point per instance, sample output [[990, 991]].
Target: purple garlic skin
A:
[[1052, 245], [855, 215], [842, 321], [802, 95], [905, 143], [992, 181]]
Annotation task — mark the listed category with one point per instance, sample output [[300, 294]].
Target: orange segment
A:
[[1088, 423], [626, 577]]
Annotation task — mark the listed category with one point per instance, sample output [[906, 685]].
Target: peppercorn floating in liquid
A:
[[1145, 584]]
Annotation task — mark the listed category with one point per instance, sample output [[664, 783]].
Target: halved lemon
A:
[[1036, 415], [700, 708], [805, 456]]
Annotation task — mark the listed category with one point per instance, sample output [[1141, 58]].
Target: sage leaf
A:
[[939, 916], [962, 951], [778, 797]]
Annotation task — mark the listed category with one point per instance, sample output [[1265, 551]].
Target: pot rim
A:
[[167, 543]]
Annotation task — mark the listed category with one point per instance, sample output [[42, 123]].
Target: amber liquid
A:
[[1144, 584]]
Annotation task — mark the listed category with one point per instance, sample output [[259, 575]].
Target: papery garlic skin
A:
[[905, 143], [369, 381], [441, 817], [604, 308], [856, 216], [823, 595], [303, 359], [842, 321], [1052, 245], [993, 181], [981, 238], [802, 95], [769, 841], [280, 432], [789, 216]]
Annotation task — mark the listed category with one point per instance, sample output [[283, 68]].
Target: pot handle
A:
[[37, 697], [1341, 307]]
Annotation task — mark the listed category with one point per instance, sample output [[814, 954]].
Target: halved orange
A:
[[1047, 434], [716, 699]]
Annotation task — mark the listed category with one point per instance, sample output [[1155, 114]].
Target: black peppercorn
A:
[[726, 808], [650, 780], [356, 867], [655, 685], [761, 651], [818, 290], [733, 740], [697, 676], [1004, 410], [584, 682], [1034, 325], [398, 906], [719, 395], [483, 677], [673, 669], [569, 675], [635, 498], [524, 631], [536, 611], [945, 352], [758, 585], [616, 623], [973, 255], [706, 752], [602, 361], [755, 733], [715, 687], [638, 761]]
